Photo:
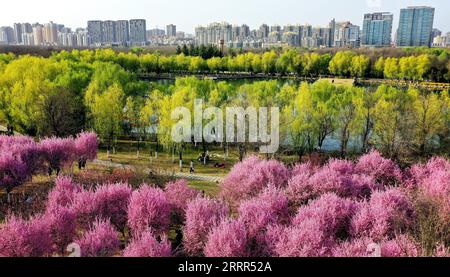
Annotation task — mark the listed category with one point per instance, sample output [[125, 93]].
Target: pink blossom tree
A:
[[111, 202], [86, 145], [57, 153], [179, 195], [13, 172], [21, 238], [248, 178], [229, 239], [271, 207], [62, 222], [146, 245], [202, 214], [386, 214], [148, 209], [384, 171], [100, 241]]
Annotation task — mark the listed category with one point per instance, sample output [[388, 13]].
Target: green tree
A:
[[107, 114]]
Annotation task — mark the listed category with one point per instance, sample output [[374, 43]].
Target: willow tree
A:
[[107, 115]]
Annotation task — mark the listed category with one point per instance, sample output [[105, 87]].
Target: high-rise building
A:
[[263, 31], [214, 33], [415, 27], [6, 35], [108, 32], [332, 26], [138, 29], [38, 36], [50, 33], [18, 31], [377, 29], [155, 33], [95, 32], [347, 35], [171, 30], [28, 39], [123, 32]]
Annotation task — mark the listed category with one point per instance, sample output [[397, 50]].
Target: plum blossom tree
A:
[[63, 194], [148, 246], [86, 145], [111, 202], [385, 215], [331, 213], [22, 238], [240, 185], [228, 239], [179, 195], [271, 207], [62, 222], [202, 214], [384, 171], [148, 208], [13, 172], [57, 153], [100, 241]]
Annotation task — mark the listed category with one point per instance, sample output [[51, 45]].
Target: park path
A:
[[162, 172]]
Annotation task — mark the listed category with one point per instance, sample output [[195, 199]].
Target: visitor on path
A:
[[192, 170]]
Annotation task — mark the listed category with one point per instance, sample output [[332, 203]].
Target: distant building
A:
[[122, 32], [50, 33], [347, 35], [6, 35], [171, 30], [415, 27], [108, 32], [38, 34], [95, 31], [263, 31], [377, 29], [138, 29], [436, 33], [155, 33]]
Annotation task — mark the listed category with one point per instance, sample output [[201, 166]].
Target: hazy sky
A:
[[187, 14]]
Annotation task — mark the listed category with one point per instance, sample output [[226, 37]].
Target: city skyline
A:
[[187, 16]]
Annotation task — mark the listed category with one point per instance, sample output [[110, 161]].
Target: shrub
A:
[[86, 145], [305, 240], [57, 152], [63, 194]]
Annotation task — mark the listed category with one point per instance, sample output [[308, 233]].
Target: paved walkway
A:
[[162, 172]]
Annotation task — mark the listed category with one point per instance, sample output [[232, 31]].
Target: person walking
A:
[[192, 170]]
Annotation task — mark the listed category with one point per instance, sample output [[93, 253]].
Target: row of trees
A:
[[395, 121], [425, 66], [410, 66], [65, 94], [341, 209], [21, 157]]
